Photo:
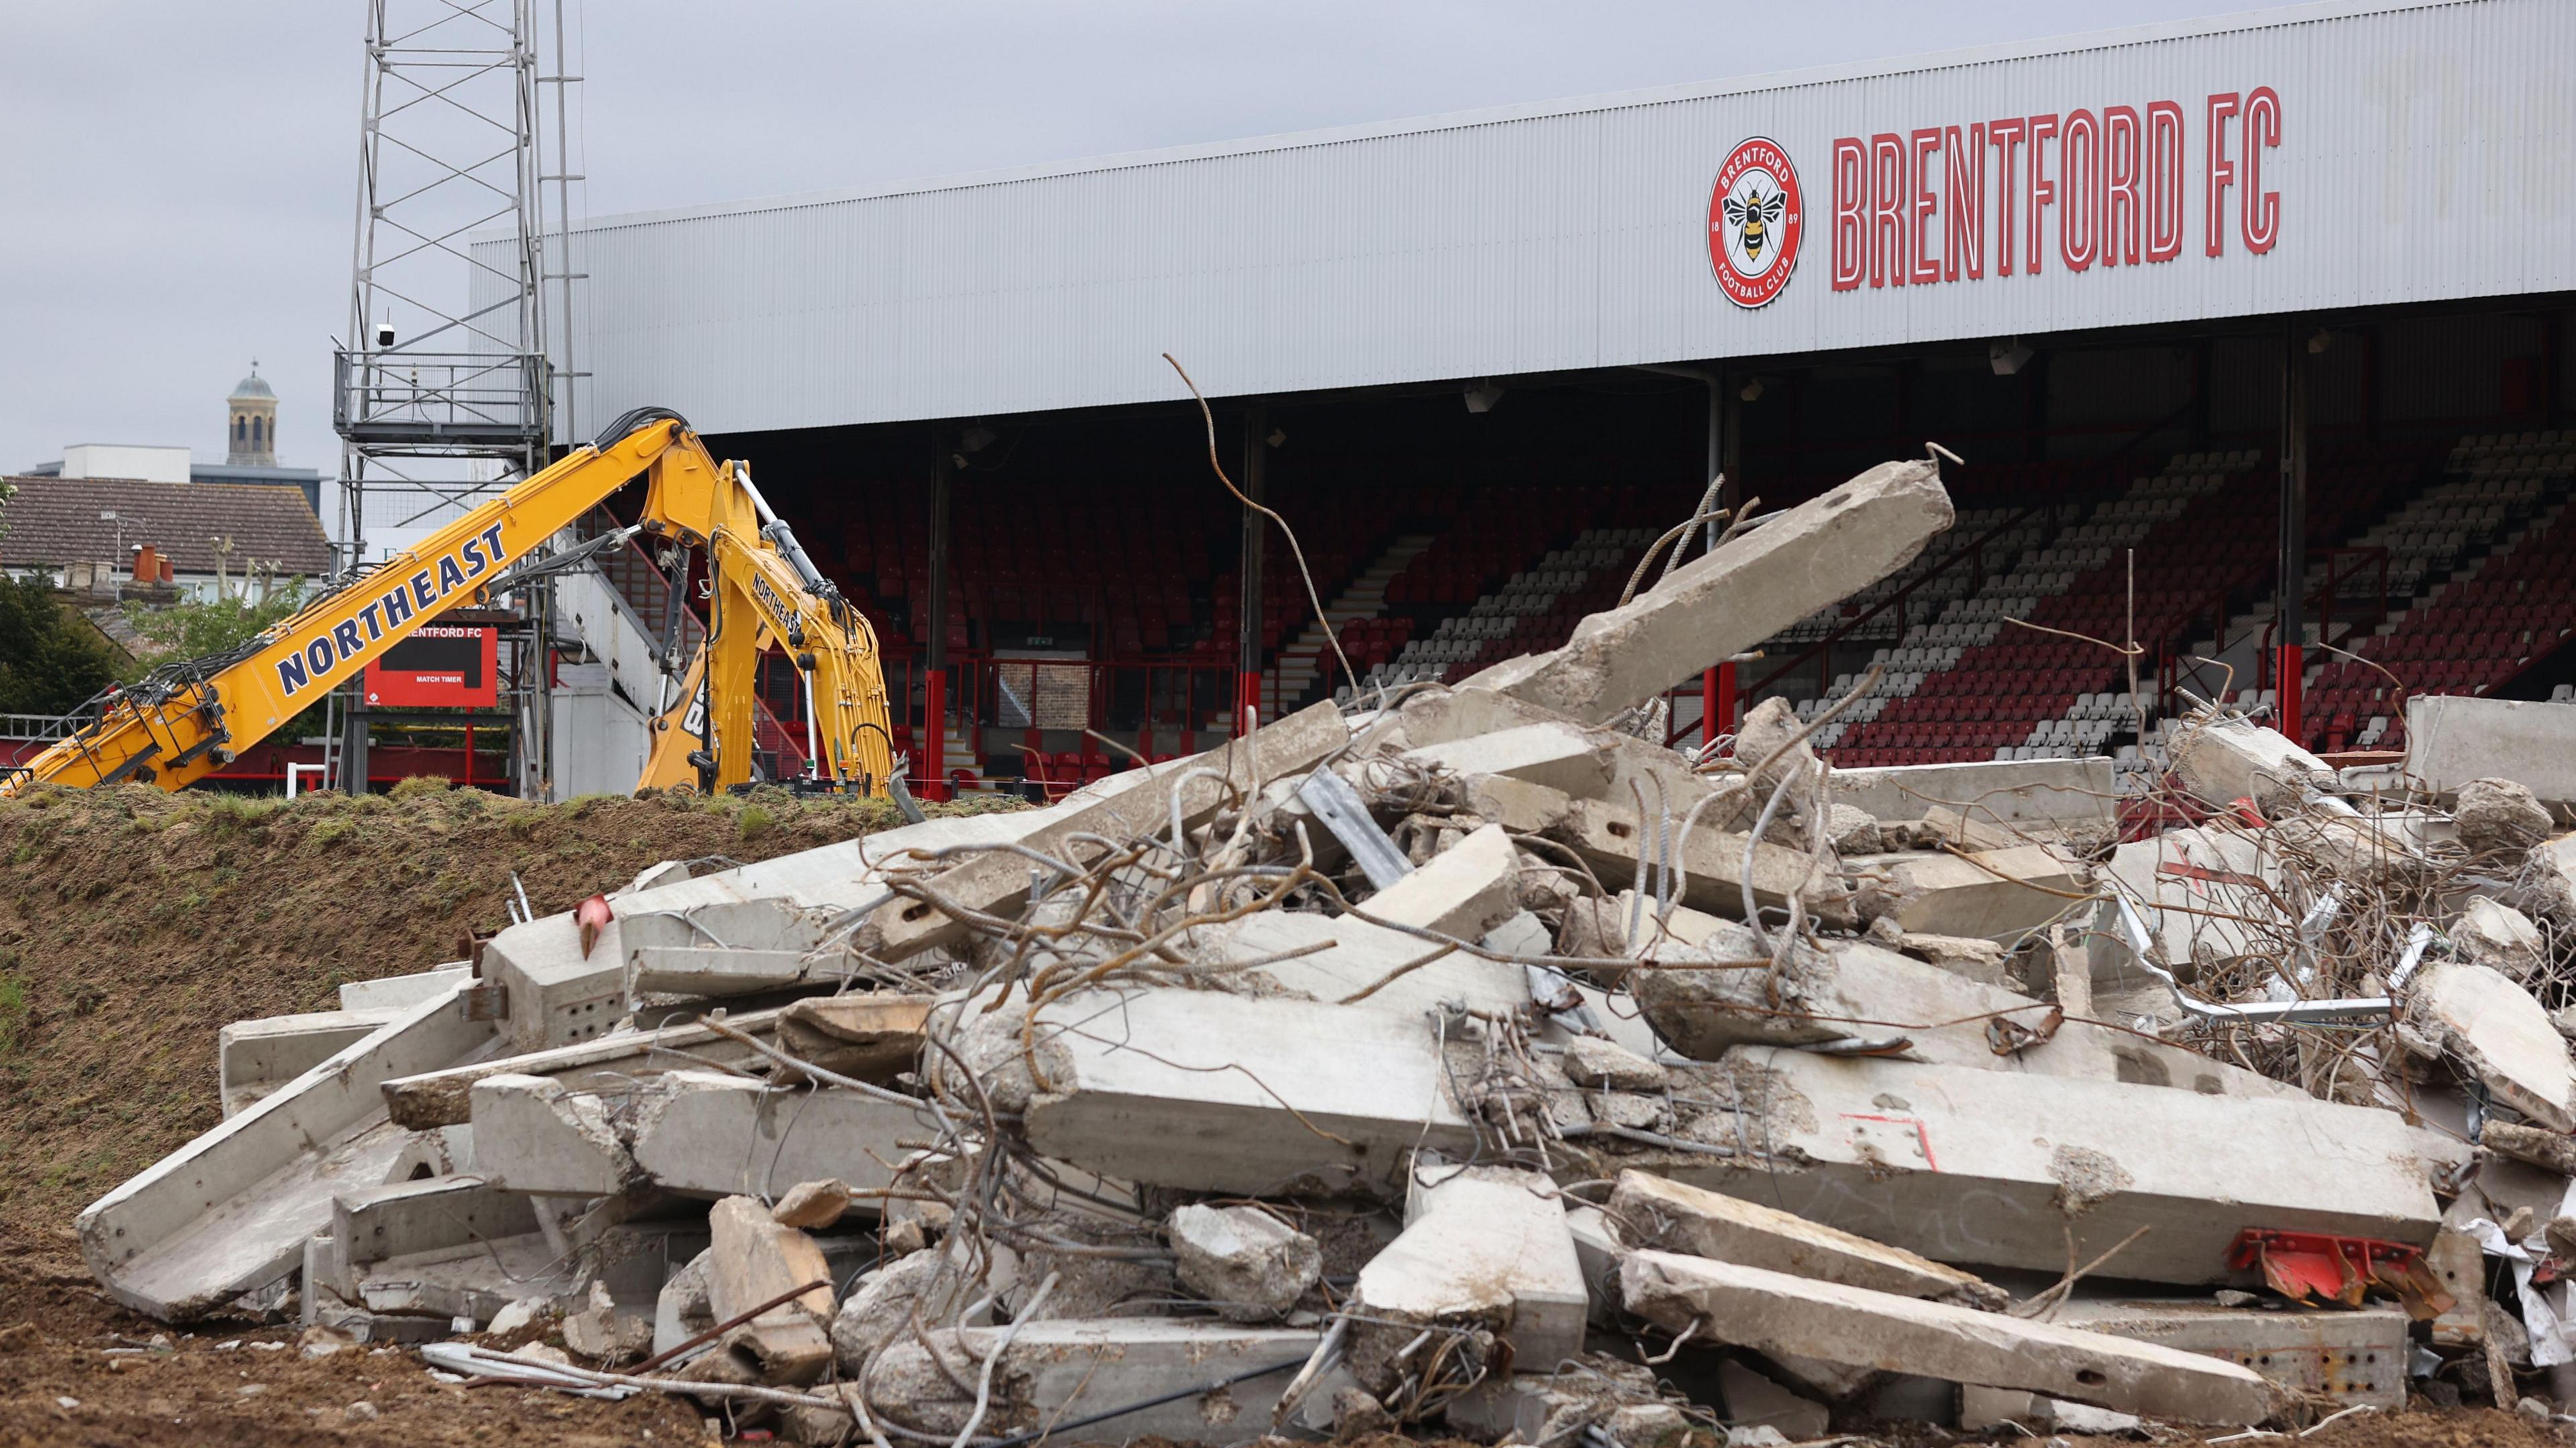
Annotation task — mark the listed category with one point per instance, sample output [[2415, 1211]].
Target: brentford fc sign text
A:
[[2075, 189]]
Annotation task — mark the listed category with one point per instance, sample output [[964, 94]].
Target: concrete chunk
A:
[[253, 1058], [230, 1211], [753, 1259], [704, 1133], [400, 1219], [1944, 1016], [2453, 739], [1059, 1371], [871, 1037], [2501, 817], [1994, 1168], [2499, 937], [606, 1063], [710, 970], [398, 992], [1349, 955], [1560, 756], [1609, 837], [2061, 791], [1483, 1247], [1998, 895], [1465, 891], [1209, 1092], [1673, 1217], [1723, 603], [2504, 1035], [473, 1279], [1774, 1312], [2356, 1356], [1246, 1263], [534, 1134], [2224, 760]]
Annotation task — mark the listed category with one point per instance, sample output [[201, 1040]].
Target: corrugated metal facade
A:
[[2426, 151]]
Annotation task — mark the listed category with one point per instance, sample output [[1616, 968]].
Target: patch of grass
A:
[[420, 785], [13, 1013], [754, 822]]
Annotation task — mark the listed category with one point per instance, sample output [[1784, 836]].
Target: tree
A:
[[51, 661], [197, 628]]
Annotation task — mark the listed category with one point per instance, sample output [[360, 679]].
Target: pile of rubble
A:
[[1470, 1062]]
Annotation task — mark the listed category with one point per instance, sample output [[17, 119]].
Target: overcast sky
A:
[[179, 178]]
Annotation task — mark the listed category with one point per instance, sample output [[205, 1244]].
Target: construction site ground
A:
[[133, 925]]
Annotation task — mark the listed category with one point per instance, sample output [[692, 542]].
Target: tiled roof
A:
[[54, 521]]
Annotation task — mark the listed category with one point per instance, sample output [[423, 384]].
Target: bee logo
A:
[[1752, 217], [1754, 222]]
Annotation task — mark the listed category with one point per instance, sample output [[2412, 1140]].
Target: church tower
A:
[[253, 439]]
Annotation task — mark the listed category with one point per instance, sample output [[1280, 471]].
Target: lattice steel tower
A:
[[443, 389]]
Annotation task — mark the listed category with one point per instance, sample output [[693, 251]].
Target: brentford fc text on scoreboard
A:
[[2076, 189]]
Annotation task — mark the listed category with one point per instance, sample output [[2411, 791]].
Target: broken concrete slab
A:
[[705, 1133], [535, 1134], [753, 1259], [400, 1219], [1754, 1401], [1610, 838], [230, 1211], [559, 994], [1466, 890], [1064, 1372], [2504, 1035], [474, 1279], [1775, 1312], [1482, 1247], [2223, 760], [872, 1036], [1244, 1262], [999, 882], [2453, 739], [1551, 755], [1445, 716], [1983, 961], [2356, 1356], [2194, 889], [398, 992], [608, 1063], [1945, 1017], [1210, 1092], [1345, 956], [1727, 601], [1672, 1216], [253, 1058], [1999, 895], [1995, 1168], [710, 970], [2058, 791]]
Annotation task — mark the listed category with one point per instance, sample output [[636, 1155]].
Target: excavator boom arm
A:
[[189, 719]]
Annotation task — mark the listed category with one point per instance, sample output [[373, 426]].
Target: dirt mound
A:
[[135, 924]]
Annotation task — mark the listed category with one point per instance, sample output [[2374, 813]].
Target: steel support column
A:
[[1256, 470], [2289, 635], [931, 765]]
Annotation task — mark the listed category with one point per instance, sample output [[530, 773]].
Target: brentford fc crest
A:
[[1755, 216]]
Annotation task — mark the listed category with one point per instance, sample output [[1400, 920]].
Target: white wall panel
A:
[[2427, 152]]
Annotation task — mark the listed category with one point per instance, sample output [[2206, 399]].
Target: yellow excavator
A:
[[186, 720]]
